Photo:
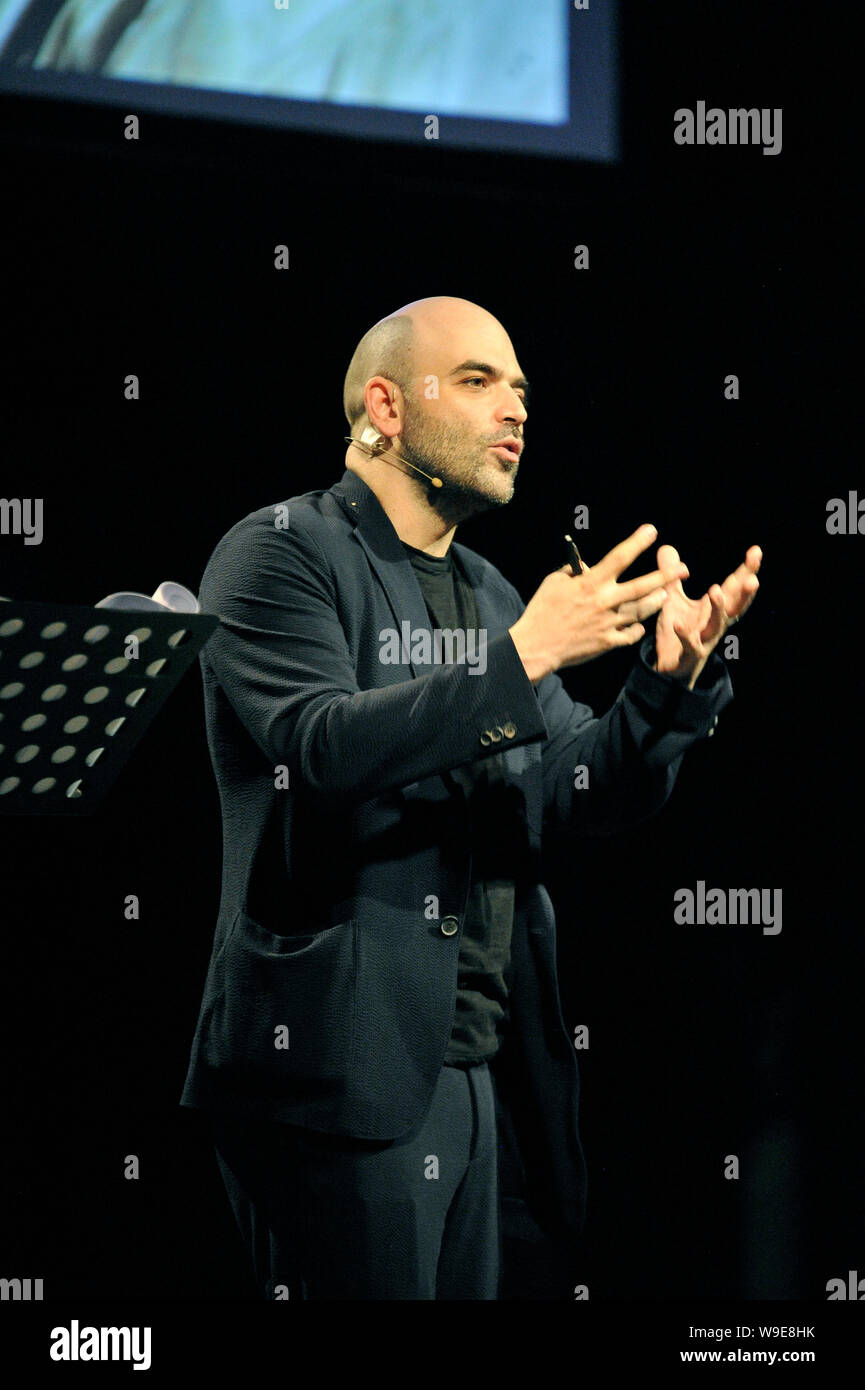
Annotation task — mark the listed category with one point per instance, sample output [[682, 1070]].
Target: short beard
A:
[[435, 451]]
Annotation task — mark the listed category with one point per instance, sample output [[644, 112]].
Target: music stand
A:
[[75, 701]]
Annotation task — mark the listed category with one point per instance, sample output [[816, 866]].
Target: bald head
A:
[[385, 350], [439, 381], [396, 346]]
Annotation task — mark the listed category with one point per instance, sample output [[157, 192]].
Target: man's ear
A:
[[387, 407]]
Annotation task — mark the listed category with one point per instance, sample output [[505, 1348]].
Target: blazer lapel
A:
[[375, 532]]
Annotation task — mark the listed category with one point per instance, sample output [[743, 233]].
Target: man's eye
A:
[[471, 379]]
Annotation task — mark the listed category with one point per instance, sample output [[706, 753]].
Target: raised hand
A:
[[575, 618], [689, 629]]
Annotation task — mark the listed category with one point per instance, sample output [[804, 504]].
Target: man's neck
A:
[[407, 508]]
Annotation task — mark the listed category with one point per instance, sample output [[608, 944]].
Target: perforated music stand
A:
[[75, 702]]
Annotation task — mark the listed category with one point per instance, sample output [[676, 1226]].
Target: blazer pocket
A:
[[284, 1020]]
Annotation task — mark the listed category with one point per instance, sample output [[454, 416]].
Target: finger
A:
[[670, 564], [749, 566], [717, 617], [752, 562], [750, 588], [644, 584], [740, 606], [738, 597], [625, 553], [688, 639], [668, 557], [627, 636], [652, 603], [754, 558], [643, 608], [736, 579]]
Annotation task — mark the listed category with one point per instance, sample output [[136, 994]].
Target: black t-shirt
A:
[[485, 944]]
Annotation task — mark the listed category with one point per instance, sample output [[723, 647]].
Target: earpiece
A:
[[376, 441], [375, 444]]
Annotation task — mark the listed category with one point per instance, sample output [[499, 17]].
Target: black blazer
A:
[[331, 988]]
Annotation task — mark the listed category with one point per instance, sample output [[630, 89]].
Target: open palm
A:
[[689, 629]]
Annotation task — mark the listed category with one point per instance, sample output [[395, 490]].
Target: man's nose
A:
[[513, 408]]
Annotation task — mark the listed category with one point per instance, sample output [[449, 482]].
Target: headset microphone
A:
[[373, 443]]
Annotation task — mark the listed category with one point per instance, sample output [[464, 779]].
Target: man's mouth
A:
[[509, 450]]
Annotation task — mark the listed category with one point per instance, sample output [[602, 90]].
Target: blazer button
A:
[[486, 737], [496, 734], [509, 729], [450, 926]]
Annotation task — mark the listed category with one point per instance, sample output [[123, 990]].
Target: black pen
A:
[[574, 558]]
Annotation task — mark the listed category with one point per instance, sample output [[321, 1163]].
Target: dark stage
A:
[[156, 257]]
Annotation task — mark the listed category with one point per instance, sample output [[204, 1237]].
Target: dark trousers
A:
[[327, 1217]]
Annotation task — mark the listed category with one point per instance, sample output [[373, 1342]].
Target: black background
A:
[[156, 258]]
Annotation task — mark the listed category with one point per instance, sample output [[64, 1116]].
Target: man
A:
[[382, 1002]]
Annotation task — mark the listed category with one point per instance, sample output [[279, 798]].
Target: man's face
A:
[[481, 401]]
